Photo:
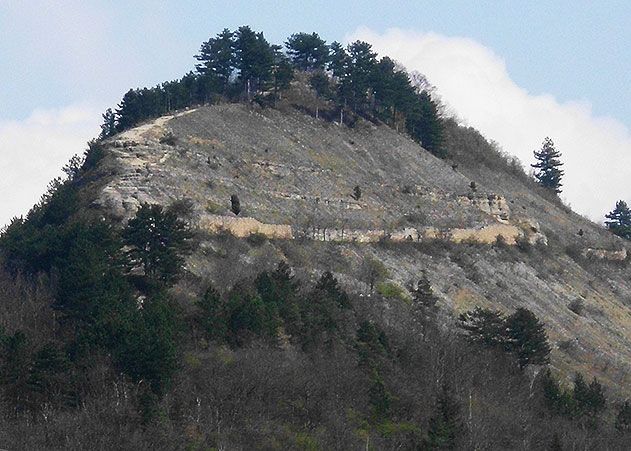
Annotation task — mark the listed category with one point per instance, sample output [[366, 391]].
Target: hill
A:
[[284, 272]]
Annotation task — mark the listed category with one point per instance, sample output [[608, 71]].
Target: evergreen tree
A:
[[157, 241], [423, 295], [379, 398], [548, 172], [527, 338], [589, 399], [108, 128], [254, 59], [356, 83], [445, 426], [319, 82], [338, 60], [392, 91], [216, 57], [620, 220], [308, 52], [213, 315], [425, 124], [282, 71], [483, 326], [129, 111]]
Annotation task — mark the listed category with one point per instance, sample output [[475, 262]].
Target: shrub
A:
[[577, 306], [169, 139], [391, 290]]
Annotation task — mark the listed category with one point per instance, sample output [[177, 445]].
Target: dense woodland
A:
[[98, 350]]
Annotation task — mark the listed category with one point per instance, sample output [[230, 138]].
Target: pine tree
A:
[[589, 399], [425, 124], [108, 128], [254, 59], [527, 338], [308, 52], [445, 426], [356, 83], [216, 58], [423, 295], [157, 241], [338, 60], [548, 172], [282, 71], [483, 326], [620, 220]]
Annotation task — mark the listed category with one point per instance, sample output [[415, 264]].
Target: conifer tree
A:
[[425, 124], [620, 220], [216, 57], [445, 426], [548, 163], [355, 85], [157, 241], [483, 326], [282, 71], [338, 60], [423, 295], [527, 338], [254, 59], [308, 52], [108, 128], [589, 399]]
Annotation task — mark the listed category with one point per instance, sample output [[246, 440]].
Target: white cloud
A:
[[33, 151], [474, 81]]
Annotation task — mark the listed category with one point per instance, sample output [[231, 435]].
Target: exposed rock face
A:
[[604, 254], [295, 175]]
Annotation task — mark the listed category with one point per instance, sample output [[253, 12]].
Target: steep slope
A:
[[295, 176]]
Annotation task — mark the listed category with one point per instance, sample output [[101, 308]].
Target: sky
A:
[[517, 71]]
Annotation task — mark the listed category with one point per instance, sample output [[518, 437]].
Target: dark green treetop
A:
[[307, 51], [620, 220], [157, 241], [216, 59], [548, 172], [527, 338]]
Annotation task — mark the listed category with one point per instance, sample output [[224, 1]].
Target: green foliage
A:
[[445, 426], [423, 296], [372, 271], [216, 57], [254, 59], [308, 52], [483, 326], [146, 348], [319, 82], [371, 343], [379, 398], [527, 338], [548, 172], [588, 399], [556, 399], [157, 241], [391, 290], [620, 220], [425, 125], [108, 128]]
